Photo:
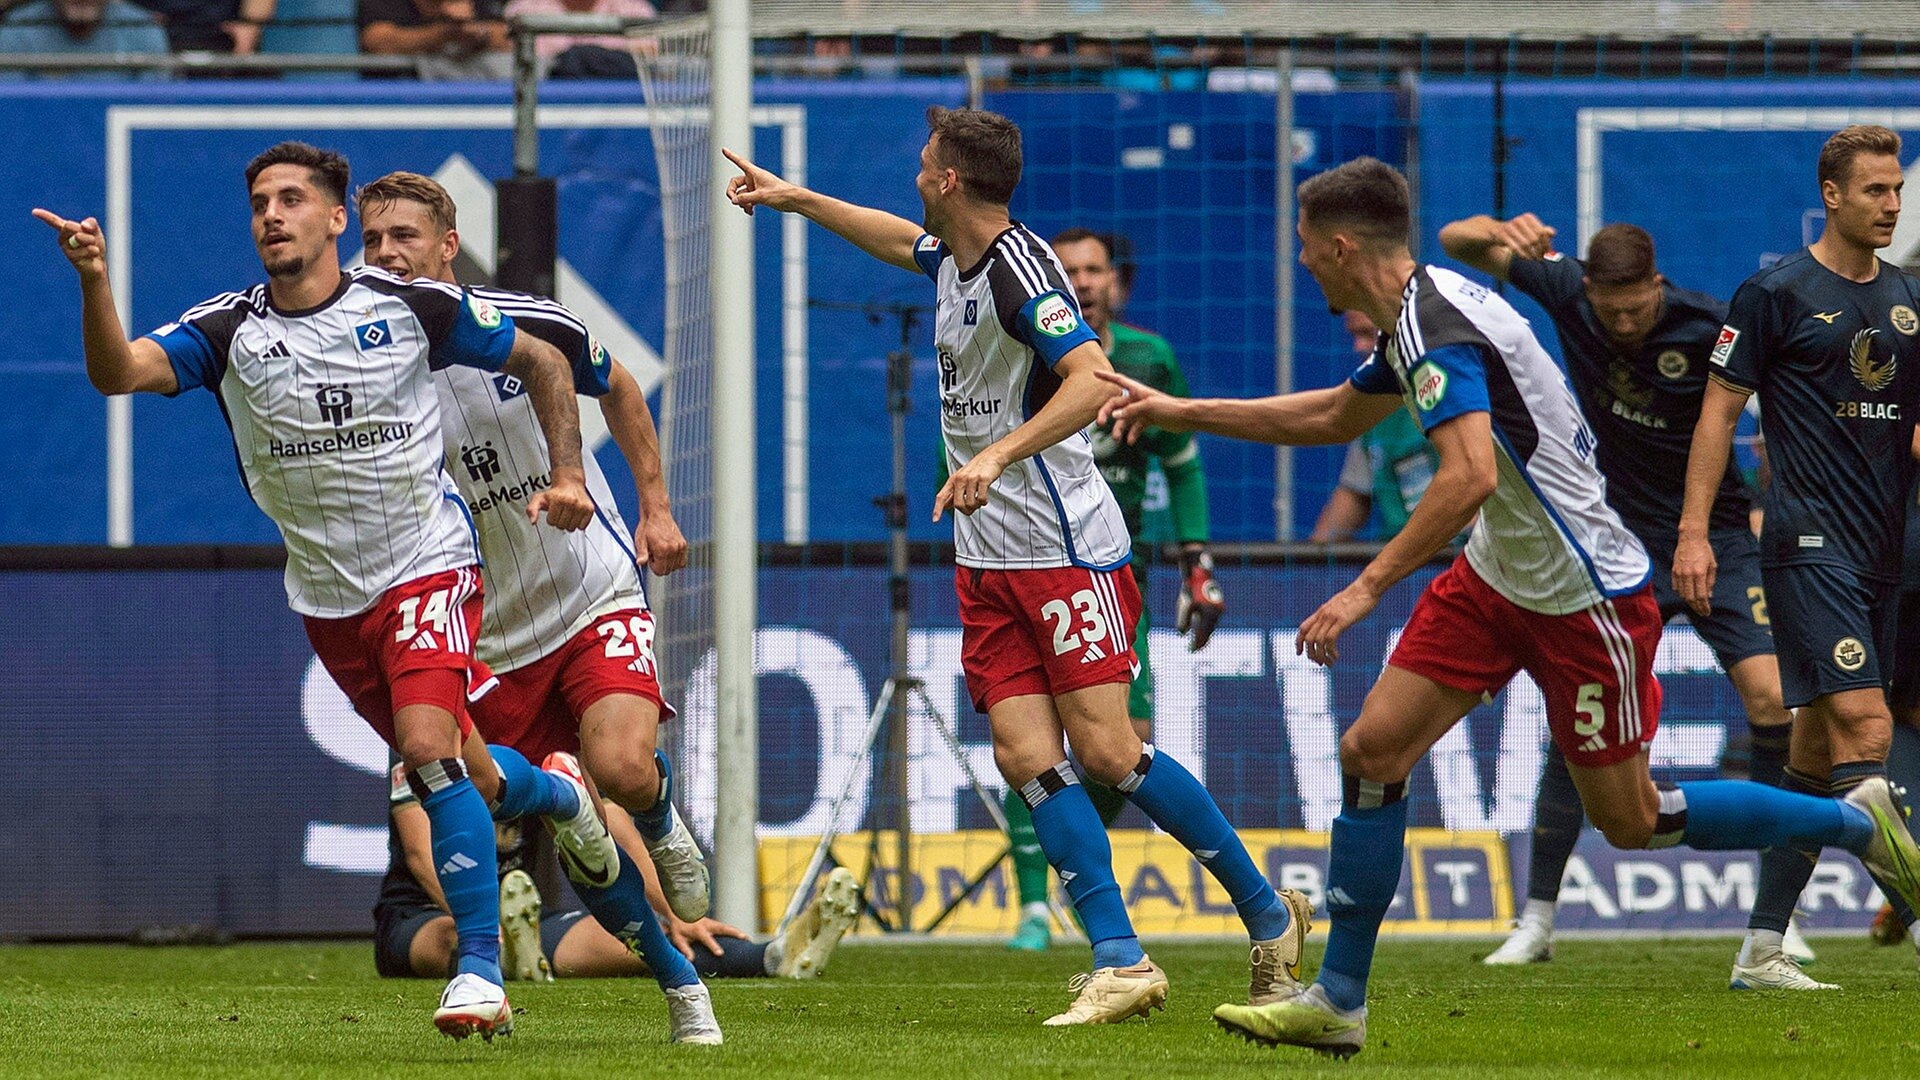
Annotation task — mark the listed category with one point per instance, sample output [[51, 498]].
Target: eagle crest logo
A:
[[1875, 377]]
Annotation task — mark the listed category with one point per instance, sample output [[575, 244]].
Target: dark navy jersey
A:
[[1837, 366], [1641, 404]]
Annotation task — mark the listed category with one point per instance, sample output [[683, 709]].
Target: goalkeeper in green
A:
[[1089, 264]]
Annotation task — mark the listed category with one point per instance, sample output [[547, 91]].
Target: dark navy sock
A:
[[467, 860], [738, 959], [1768, 761], [623, 909], [1176, 802], [1363, 872], [1076, 844], [529, 792], [1784, 869], [656, 821], [1557, 819]]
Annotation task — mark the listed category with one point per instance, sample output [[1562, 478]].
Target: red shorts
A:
[[426, 624], [1594, 666], [537, 708], [1048, 631]]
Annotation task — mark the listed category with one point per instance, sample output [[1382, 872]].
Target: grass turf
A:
[[1602, 1008]]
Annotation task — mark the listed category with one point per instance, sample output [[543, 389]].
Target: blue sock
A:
[[469, 863], [1363, 871], [656, 821], [623, 909], [1724, 815], [529, 792], [1176, 802], [1786, 868], [1070, 833]]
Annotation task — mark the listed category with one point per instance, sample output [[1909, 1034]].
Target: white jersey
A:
[[336, 425], [1546, 539], [543, 585], [1000, 327]]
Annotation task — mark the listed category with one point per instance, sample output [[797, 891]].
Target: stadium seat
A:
[[313, 26]]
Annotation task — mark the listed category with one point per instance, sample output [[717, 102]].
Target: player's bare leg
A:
[[428, 740], [618, 747], [1029, 748], [1403, 716]]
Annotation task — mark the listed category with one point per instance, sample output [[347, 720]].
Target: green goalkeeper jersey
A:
[[1148, 358]]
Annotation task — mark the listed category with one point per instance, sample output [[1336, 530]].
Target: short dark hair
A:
[[983, 147], [1364, 196], [327, 168], [1836, 157], [1077, 235], [1620, 254]]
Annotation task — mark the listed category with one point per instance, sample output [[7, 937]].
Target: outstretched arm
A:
[[887, 237], [549, 382], [1490, 245], [114, 364], [1324, 417], [657, 543]]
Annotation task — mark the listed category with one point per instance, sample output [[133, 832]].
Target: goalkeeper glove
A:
[[1201, 601]]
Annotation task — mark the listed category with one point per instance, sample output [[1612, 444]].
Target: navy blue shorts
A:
[[1836, 630], [1738, 626], [1903, 685], [395, 927]]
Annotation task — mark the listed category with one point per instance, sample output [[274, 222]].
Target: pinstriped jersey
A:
[[1546, 539], [336, 424], [1000, 326], [543, 585]]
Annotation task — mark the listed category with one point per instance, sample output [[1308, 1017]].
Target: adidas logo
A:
[[424, 641], [277, 351], [1066, 876], [1094, 652], [459, 862], [1338, 898], [1204, 855], [1594, 744]]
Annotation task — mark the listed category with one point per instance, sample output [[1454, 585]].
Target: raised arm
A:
[[114, 364], [1325, 417], [887, 237], [1489, 245], [1694, 565], [416, 846], [549, 382], [657, 542]]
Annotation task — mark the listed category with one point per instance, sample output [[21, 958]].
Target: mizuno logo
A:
[[1826, 316], [459, 862]]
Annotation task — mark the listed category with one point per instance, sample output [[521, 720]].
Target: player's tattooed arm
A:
[[1694, 565], [549, 382], [1324, 417], [1073, 406], [1466, 477], [657, 543], [114, 364], [887, 237], [1490, 245]]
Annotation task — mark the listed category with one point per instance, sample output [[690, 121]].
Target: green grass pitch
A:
[[931, 1012]]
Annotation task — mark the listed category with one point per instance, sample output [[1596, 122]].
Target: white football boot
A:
[[690, 1009], [1530, 943], [1771, 969], [683, 871], [470, 1005], [521, 957], [1795, 944], [834, 910], [586, 849]]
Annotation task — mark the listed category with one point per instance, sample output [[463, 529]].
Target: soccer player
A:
[[1047, 607], [324, 378], [567, 629], [1387, 469], [1550, 582], [1636, 350], [414, 935], [1088, 260], [1827, 336]]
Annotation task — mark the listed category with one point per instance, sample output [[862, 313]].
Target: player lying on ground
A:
[[567, 629], [1550, 583], [1636, 349], [542, 938], [1827, 336], [1047, 607], [1088, 260], [323, 377]]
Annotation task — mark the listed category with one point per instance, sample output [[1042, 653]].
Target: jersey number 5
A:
[[1069, 632]]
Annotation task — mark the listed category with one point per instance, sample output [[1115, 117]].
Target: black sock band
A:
[[1050, 781], [435, 776], [1358, 794], [1848, 775], [1793, 779], [1131, 782]]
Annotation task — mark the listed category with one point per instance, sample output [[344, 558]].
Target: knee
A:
[[1108, 760], [1370, 757], [627, 773], [1627, 828]]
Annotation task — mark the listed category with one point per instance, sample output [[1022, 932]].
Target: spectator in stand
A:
[[456, 40], [83, 26], [568, 57], [222, 26]]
